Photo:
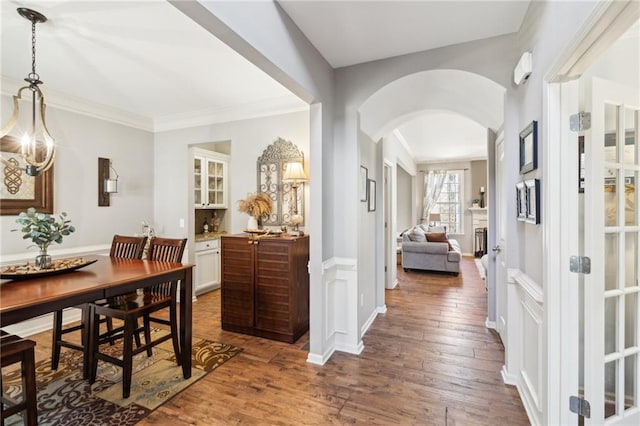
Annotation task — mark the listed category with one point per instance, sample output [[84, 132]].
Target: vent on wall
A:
[[522, 70]]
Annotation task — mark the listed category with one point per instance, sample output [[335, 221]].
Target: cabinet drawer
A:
[[206, 245]]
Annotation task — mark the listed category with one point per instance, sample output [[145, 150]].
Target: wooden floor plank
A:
[[428, 360]]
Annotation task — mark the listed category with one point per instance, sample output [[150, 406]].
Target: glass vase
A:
[[43, 260]]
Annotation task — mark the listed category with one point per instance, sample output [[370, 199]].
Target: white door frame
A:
[[606, 23]]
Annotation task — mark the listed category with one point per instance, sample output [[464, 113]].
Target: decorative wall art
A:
[[533, 197], [364, 176], [521, 200], [372, 195], [19, 191], [529, 148], [271, 166]]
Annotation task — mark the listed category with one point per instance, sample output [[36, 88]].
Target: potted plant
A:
[[255, 205], [43, 229], [475, 204]]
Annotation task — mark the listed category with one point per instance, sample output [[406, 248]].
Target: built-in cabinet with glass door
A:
[[210, 180]]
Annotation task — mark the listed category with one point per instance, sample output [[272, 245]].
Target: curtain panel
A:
[[433, 181]]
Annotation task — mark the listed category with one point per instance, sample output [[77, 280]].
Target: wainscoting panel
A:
[[340, 281], [525, 344]]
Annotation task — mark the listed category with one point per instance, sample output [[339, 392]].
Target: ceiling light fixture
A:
[[37, 154]]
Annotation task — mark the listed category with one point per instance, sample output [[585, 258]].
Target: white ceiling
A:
[[159, 70], [352, 32], [443, 136], [142, 57]]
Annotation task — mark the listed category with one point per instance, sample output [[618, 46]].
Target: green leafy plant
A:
[[43, 229]]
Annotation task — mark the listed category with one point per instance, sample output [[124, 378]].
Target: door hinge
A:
[[580, 264], [580, 406], [580, 121]]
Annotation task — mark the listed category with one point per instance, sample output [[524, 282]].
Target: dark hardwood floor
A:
[[429, 360]]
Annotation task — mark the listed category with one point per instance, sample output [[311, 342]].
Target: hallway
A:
[[429, 360]]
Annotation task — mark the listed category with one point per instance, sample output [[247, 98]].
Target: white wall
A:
[[404, 200], [248, 139], [80, 141], [368, 246]]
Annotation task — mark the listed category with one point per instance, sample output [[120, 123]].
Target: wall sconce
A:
[[294, 173], [106, 185]]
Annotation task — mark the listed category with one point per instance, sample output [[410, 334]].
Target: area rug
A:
[[64, 398]]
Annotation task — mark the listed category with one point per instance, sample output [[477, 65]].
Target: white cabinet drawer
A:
[[206, 245]]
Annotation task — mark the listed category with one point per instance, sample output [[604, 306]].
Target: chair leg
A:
[[110, 329], [127, 357], [57, 336], [147, 334], [93, 345], [136, 335], [175, 336], [29, 387]]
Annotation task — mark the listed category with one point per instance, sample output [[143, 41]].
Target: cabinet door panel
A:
[[237, 282]]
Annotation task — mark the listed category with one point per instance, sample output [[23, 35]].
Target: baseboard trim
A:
[[320, 359], [382, 309], [393, 285], [351, 349], [368, 323], [490, 324], [507, 378]]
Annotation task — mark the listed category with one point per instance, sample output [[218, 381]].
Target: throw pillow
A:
[[417, 235], [438, 237]]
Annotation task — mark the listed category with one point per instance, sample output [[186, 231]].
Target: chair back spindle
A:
[[127, 247], [165, 250]]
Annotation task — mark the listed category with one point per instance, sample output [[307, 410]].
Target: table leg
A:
[[87, 336], [186, 295]]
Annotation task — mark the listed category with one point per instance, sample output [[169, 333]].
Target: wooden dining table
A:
[[24, 299]]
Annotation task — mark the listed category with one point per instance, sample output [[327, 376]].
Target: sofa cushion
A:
[[438, 237], [417, 234]]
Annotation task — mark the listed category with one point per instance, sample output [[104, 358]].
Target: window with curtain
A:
[[449, 203]]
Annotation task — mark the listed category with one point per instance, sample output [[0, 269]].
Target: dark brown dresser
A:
[[265, 286]]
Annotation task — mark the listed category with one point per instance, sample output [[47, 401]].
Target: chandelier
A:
[[37, 154]]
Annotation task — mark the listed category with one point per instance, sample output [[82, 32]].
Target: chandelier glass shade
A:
[[37, 147]]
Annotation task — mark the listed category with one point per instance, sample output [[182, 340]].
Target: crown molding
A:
[[425, 160], [264, 108], [66, 102], [59, 100]]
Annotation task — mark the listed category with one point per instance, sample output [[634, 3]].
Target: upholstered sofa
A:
[[439, 254]]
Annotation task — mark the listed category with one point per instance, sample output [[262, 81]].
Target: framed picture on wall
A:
[[529, 148], [372, 195], [533, 200], [521, 199], [19, 191], [364, 176]]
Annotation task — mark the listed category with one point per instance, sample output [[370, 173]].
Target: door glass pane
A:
[[610, 329], [631, 320], [631, 195], [630, 136], [631, 259], [610, 197], [611, 133], [610, 376], [631, 375], [610, 261]]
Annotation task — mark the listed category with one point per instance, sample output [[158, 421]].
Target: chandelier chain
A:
[[33, 48]]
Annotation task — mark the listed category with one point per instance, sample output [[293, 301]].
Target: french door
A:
[[611, 365]]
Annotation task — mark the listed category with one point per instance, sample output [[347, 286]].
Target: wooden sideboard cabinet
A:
[[265, 286]]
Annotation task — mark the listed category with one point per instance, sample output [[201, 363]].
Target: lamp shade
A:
[[434, 217], [294, 173]]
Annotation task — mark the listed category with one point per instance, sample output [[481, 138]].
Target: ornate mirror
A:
[[271, 167]]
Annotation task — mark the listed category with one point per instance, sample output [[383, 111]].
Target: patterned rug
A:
[[64, 398]]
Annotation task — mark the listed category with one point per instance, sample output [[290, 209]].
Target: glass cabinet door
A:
[[197, 182]]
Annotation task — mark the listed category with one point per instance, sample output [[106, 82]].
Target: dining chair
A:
[[14, 349], [123, 247], [129, 307]]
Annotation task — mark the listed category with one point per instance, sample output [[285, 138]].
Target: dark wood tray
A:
[[28, 274]]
